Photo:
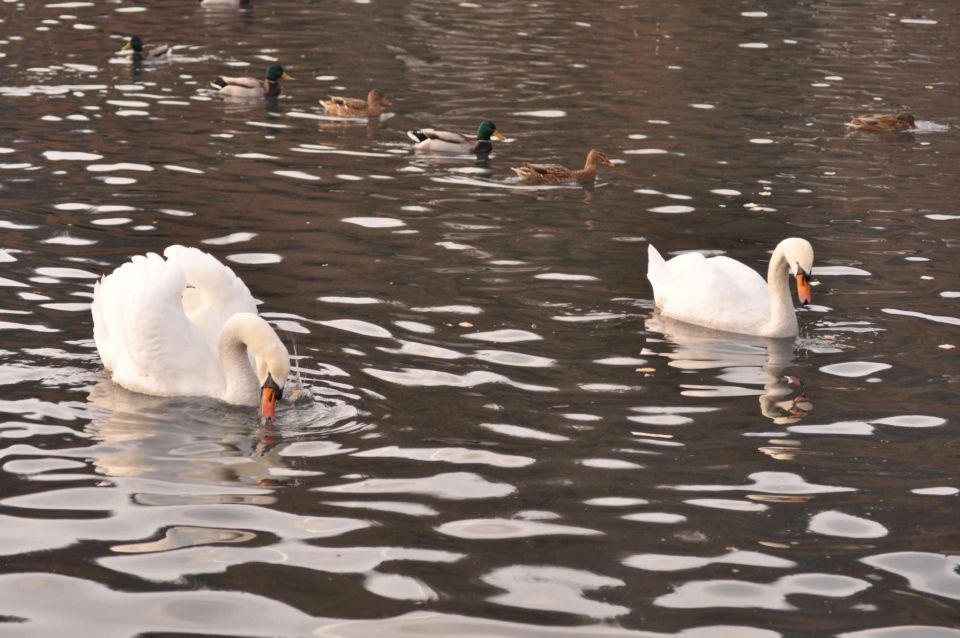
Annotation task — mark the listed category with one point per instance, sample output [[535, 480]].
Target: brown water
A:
[[502, 441]]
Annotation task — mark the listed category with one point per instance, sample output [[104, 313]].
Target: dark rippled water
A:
[[502, 440]]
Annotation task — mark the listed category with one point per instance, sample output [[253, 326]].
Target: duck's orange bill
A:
[[498, 135], [268, 404], [804, 293]]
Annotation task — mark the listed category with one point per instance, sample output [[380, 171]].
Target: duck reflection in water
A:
[[783, 398]]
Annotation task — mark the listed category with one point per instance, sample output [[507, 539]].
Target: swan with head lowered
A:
[[724, 294], [186, 325]]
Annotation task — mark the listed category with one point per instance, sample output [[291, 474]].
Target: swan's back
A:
[[716, 292], [156, 335]]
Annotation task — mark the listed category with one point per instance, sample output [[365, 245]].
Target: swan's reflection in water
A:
[[745, 360], [197, 440]]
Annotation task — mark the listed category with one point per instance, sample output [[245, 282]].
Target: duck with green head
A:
[[153, 54], [430, 140], [251, 87]]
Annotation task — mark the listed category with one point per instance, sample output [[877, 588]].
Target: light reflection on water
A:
[[495, 436]]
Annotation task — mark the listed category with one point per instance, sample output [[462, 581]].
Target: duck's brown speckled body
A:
[[884, 122], [556, 174], [356, 107]]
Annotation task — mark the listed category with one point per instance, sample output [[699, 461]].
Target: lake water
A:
[[502, 439]]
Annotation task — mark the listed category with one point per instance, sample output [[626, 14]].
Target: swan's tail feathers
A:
[[416, 136], [655, 267]]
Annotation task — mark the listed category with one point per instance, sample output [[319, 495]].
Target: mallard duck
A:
[[884, 122], [356, 107], [225, 3], [252, 87], [433, 141], [153, 54], [556, 174]]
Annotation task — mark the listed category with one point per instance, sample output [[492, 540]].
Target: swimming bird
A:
[[252, 87], [152, 54], [433, 141], [187, 326], [356, 107], [883, 122], [556, 174], [724, 294], [225, 3]]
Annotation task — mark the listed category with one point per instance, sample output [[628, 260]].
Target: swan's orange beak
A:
[[804, 293], [270, 393]]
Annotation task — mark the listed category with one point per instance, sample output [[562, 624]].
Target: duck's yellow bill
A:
[[268, 404], [285, 76], [804, 292], [499, 135], [127, 46]]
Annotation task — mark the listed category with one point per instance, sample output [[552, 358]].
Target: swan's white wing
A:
[[213, 294], [145, 338], [101, 330], [718, 292]]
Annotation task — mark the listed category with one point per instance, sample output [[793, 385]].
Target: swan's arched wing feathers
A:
[[143, 335], [716, 292], [212, 292], [101, 330]]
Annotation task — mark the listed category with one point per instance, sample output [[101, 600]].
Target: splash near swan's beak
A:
[[499, 135], [804, 293], [270, 393]]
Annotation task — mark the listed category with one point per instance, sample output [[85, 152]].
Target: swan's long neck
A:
[[783, 318], [241, 384], [247, 336]]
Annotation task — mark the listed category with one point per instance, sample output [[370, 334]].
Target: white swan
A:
[[724, 294], [187, 326]]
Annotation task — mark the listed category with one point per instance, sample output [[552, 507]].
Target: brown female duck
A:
[[356, 107], [556, 174], [883, 122]]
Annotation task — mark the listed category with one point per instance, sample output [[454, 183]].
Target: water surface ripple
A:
[[497, 437]]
